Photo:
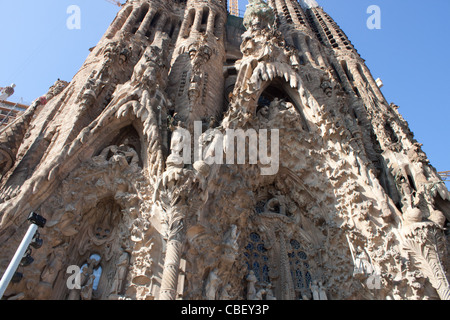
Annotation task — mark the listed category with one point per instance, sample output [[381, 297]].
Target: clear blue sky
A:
[[410, 53]]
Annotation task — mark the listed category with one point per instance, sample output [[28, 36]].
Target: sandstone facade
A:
[[354, 211]]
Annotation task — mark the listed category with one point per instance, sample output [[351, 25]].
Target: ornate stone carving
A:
[[422, 242]]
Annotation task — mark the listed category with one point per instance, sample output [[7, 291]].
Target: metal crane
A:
[[116, 2], [445, 175]]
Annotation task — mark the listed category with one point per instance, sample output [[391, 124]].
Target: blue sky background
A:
[[410, 53]]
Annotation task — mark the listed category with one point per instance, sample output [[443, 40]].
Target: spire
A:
[[308, 4]]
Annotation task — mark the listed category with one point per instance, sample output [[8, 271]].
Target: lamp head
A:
[[27, 260], [37, 219]]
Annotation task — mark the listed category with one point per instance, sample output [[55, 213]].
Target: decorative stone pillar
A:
[[171, 269]]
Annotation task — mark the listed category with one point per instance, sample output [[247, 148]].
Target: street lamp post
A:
[[36, 222]]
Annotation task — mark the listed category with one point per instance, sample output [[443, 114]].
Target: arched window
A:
[[152, 25], [142, 13], [168, 27], [217, 26], [346, 70], [308, 43], [188, 23], [204, 21], [172, 30], [299, 268], [361, 73], [256, 257], [391, 133], [336, 73], [155, 19]]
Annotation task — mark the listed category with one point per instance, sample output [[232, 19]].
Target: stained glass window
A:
[[256, 257], [299, 266], [260, 207]]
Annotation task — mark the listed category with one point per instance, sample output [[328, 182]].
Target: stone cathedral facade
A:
[[353, 211]]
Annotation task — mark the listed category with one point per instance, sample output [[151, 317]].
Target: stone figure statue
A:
[[55, 262], [212, 285], [87, 289], [87, 279], [322, 293], [225, 294], [121, 273], [251, 285], [269, 293], [315, 290]]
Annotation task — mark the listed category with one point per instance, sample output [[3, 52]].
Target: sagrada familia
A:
[[354, 210]]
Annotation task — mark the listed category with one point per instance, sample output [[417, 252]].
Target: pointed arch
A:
[[279, 88], [128, 136], [204, 19]]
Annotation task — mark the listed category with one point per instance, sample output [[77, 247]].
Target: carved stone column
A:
[[171, 269], [286, 278], [175, 236]]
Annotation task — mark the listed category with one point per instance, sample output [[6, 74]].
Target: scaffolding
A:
[[10, 111], [234, 7]]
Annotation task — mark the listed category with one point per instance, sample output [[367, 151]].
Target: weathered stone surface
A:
[[353, 210]]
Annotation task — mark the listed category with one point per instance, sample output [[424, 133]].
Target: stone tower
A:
[[351, 208]]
